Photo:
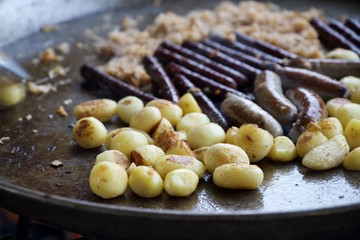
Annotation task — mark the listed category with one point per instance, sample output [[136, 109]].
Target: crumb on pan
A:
[[290, 30], [3, 139], [61, 111], [49, 56]]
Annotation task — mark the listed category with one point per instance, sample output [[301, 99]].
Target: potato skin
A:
[[108, 180], [223, 153], [89, 133], [145, 182], [181, 182], [102, 109], [255, 141], [238, 176], [352, 160], [352, 133]]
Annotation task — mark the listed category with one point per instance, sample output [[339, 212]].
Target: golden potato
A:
[[113, 156], [127, 141], [309, 139], [146, 155], [238, 176], [168, 110], [334, 104], [102, 109], [353, 84], [89, 132], [205, 135], [230, 135], [283, 150], [188, 104], [328, 155], [347, 112], [191, 120], [181, 182], [145, 182], [163, 126], [146, 119], [128, 106], [330, 127], [352, 160], [167, 163], [352, 133], [255, 141], [223, 153], [108, 179], [11, 93]]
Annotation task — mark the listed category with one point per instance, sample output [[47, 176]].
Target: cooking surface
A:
[[26, 158]]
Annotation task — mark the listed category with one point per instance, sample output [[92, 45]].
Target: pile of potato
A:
[[170, 146]]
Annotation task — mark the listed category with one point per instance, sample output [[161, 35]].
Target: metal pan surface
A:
[[292, 203]]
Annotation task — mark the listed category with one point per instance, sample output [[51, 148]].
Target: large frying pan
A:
[[292, 203]]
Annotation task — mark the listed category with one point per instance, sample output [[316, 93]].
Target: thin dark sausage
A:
[[311, 109], [116, 86], [265, 46], [207, 106], [207, 85], [160, 80], [167, 56], [250, 60], [353, 23], [216, 55], [345, 31], [240, 78], [332, 38], [246, 49]]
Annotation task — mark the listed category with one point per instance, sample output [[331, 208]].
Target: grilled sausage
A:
[[333, 68], [326, 87], [269, 95], [160, 80], [265, 46], [117, 87], [311, 109], [240, 110], [167, 56]]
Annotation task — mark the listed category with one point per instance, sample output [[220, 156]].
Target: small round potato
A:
[[126, 141], [353, 84], [167, 163], [108, 180], [102, 109], [283, 150], [181, 182], [352, 133], [128, 106], [113, 133], [145, 182], [188, 104], [309, 140], [168, 110], [11, 93], [334, 104], [205, 135], [146, 155], [352, 160], [347, 112], [238, 176], [223, 153], [330, 127], [146, 119], [113, 156], [341, 53], [89, 133], [230, 135], [191, 120], [255, 141]]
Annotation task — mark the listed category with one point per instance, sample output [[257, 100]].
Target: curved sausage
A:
[[269, 95], [240, 110], [311, 109]]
